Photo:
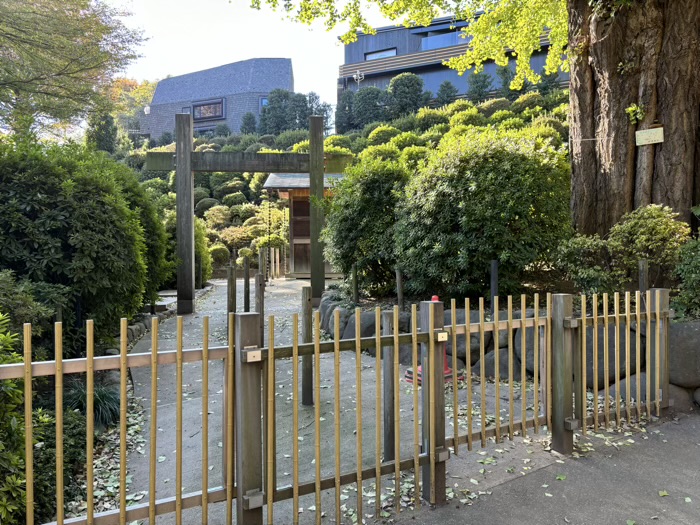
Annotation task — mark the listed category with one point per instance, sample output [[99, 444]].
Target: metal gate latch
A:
[[251, 354]]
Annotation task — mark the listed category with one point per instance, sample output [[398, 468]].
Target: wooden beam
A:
[[185, 215], [233, 161]]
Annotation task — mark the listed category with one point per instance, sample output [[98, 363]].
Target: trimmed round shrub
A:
[[528, 100], [156, 186], [501, 115], [551, 122], [247, 140], [407, 123], [511, 123], [203, 205], [338, 141], [233, 199], [227, 188], [428, 117], [369, 128], [381, 152], [255, 147], [220, 255], [302, 147], [236, 237], [243, 211], [358, 145], [201, 179], [555, 98], [254, 221], [218, 217], [218, 178], [406, 139], [531, 113], [336, 150], [287, 139], [489, 107], [201, 193], [561, 112], [458, 106], [432, 137], [382, 135], [471, 117], [481, 196], [412, 157], [268, 140], [543, 135]]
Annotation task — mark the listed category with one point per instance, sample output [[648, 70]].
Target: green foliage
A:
[[203, 205], [256, 185], [506, 76], [302, 147], [511, 123], [501, 115], [227, 188], [381, 152], [369, 128], [218, 217], [404, 140], [687, 303], [552, 122], [360, 221], [220, 255], [101, 133], [255, 148], [236, 237], [426, 118], [405, 94], [339, 141], [268, 140], [233, 199], [287, 139], [222, 130], [586, 261], [529, 114], [382, 135], [367, 107], [201, 193], [203, 262], [482, 196], [470, 117], [166, 138], [405, 123], [344, 119], [412, 157], [447, 92], [219, 178], [528, 100], [543, 135], [273, 241], [480, 85], [106, 402], [457, 107], [635, 113], [561, 112], [556, 98], [549, 83], [491, 106], [243, 211]]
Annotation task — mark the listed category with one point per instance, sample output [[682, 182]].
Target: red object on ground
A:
[[435, 299]]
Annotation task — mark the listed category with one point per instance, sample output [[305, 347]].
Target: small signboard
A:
[[650, 136]]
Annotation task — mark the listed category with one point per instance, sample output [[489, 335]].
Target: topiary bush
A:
[[511, 123], [201, 193], [301, 147], [203, 205], [543, 135], [382, 135], [529, 114], [457, 107], [201, 179], [338, 141], [287, 139], [220, 255], [381, 152], [489, 107], [243, 211], [481, 196], [406, 139], [369, 128], [235, 237], [426, 118], [561, 112], [227, 188], [255, 147], [501, 115], [528, 100], [218, 217], [470, 117], [585, 260], [234, 199], [687, 303], [268, 140], [554, 123], [412, 157], [407, 123], [218, 178]]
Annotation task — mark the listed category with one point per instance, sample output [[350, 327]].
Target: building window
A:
[[384, 53], [208, 110], [187, 109], [204, 132], [263, 103]]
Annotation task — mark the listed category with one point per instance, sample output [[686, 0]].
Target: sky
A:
[[191, 35]]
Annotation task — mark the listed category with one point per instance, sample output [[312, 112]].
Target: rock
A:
[[366, 326], [344, 315], [461, 339], [633, 388], [681, 399], [684, 354], [611, 354], [130, 334], [327, 313], [490, 363], [529, 347], [696, 396]]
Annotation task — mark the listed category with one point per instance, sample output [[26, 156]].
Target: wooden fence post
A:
[[307, 385], [562, 370], [248, 427], [388, 387], [260, 303], [246, 284], [433, 492], [663, 303]]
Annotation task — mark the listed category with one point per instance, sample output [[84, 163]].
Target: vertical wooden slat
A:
[[336, 377], [455, 385], [358, 406], [595, 361], [28, 426], [657, 348], [648, 354], [606, 360], [58, 347], [416, 436], [618, 349], [523, 369], [397, 416], [90, 418], [154, 422], [638, 354], [584, 386], [496, 366], [295, 419], [548, 360], [468, 347], [536, 363], [178, 425], [230, 414], [123, 375], [270, 420], [317, 412], [205, 420], [628, 369], [482, 369], [378, 410], [432, 394], [511, 390]]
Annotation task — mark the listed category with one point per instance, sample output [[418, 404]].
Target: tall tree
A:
[[275, 116], [56, 58], [447, 92], [506, 74], [248, 124], [405, 94], [344, 120], [368, 106], [128, 98], [318, 107], [480, 85], [101, 132]]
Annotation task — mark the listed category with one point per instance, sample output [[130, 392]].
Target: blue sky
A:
[[190, 35]]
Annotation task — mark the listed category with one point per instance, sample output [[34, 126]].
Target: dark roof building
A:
[[220, 95], [378, 58]]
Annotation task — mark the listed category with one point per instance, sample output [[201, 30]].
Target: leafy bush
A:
[[30, 302], [407, 123], [227, 188], [287, 139], [218, 178], [268, 140], [156, 186], [201, 193], [687, 304], [201, 179], [561, 112], [106, 402], [218, 217], [369, 128], [528, 100], [586, 261], [202, 263], [203, 205], [243, 211], [382, 135], [489, 107], [301, 147], [543, 135], [482, 196], [220, 255], [381, 152], [338, 141], [531, 113], [433, 136], [233, 199], [222, 130], [512, 123], [406, 139], [255, 147], [551, 122], [360, 219], [236, 237], [458, 106], [412, 157], [470, 117], [556, 98], [426, 118], [501, 115]]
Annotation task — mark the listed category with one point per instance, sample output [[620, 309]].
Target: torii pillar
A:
[[185, 214]]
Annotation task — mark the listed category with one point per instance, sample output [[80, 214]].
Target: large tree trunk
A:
[[647, 54]]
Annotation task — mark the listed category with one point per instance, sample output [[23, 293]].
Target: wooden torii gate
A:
[[186, 162]]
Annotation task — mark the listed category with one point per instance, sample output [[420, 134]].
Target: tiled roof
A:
[[289, 181], [257, 75]]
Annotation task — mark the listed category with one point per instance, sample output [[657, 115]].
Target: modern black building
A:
[[220, 95], [377, 58]]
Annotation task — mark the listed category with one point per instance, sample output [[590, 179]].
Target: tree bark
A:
[[644, 55]]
